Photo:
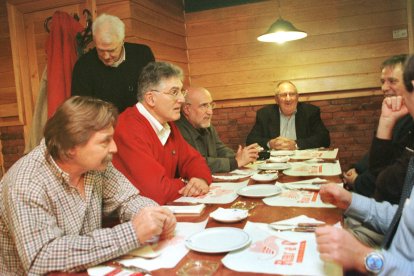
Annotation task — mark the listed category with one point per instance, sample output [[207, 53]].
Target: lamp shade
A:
[[282, 31]]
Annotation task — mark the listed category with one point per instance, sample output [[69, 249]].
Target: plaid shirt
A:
[[45, 224]]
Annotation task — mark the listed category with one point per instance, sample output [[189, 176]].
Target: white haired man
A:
[[110, 71]]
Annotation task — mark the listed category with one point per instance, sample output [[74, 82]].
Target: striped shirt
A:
[[46, 225]]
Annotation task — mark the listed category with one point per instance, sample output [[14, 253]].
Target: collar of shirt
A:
[[287, 125], [121, 59], [162, 131], [286, 117], [56, 170]]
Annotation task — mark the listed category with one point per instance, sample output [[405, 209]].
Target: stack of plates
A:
[[278, 159], [274, 166], [282, 152]]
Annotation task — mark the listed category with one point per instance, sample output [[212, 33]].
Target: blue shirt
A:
[[399, 258]]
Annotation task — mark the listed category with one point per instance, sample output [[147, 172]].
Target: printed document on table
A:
[[220, 193], [285, 253], [169, 252], [297, 198], [310, 169], [315, 153]]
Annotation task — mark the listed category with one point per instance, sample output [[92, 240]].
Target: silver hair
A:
[[114, 25], [155, 72]]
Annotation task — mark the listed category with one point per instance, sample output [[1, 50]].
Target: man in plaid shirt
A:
[[52, 200]]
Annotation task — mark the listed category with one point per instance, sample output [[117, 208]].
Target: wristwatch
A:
[[374, 262]]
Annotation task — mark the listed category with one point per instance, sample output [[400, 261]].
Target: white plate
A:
[[282, 152], [229, 177], [218, 240], [259, 190], [278, 159], [264, 176], [229, 215], [274, 166]]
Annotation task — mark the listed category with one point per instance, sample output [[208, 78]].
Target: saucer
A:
[[229, 215], [264, 176]]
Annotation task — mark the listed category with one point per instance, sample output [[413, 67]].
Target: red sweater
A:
[[153, 168]]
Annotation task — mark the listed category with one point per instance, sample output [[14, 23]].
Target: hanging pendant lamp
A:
[[281, 31]]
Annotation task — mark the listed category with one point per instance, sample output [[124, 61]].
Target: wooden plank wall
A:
[[347, 40], [156, 23], [8, 98]]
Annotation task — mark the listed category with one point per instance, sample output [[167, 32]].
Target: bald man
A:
[[195, 126]]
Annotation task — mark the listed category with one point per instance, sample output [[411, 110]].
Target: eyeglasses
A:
[[113, 50], [285, 95], [175, 92], [206, 106]]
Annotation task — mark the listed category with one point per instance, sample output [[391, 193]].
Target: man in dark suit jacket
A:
[[289, 124]]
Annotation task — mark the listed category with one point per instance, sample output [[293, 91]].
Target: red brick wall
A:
[[12, 141], [351, 123]]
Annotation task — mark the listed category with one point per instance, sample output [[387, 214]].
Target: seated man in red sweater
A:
[[152, 153]]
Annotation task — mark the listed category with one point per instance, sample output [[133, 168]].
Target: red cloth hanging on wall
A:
[[61, 57]]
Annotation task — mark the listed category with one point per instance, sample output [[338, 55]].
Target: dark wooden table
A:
[[261, 213]]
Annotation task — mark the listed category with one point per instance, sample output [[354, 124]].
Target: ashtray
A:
[[198, 267]]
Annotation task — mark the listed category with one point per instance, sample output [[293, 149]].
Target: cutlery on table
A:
[[295, 229], [300, 224], [298, 227], [128, 267]]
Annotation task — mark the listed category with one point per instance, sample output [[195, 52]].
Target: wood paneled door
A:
[[28, 38]]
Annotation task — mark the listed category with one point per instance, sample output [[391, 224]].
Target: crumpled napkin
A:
[[313, 184], [298, 219], [304, 184], [235, 175], [288, 223]]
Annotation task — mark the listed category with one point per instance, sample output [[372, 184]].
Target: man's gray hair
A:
[[114, 26], [153, 73]]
